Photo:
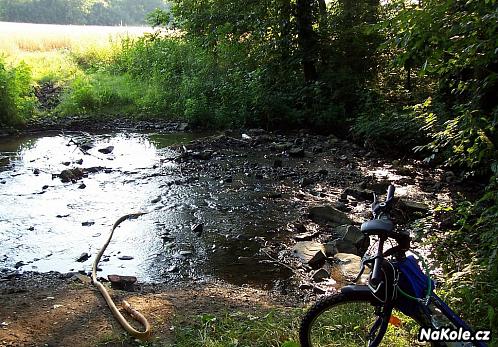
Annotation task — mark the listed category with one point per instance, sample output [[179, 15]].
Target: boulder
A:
[[326, 214], [83, 257], [330, 249], [345, 246], [359, 194], [349, 264], [106, 150], [414, 207], [310, 253], [296, 152], [71, 175], [320, 275], [122, 282]]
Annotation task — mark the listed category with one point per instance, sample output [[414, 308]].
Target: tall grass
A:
[[27, 37]]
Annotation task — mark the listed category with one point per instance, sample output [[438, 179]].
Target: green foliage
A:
[[455, 43], [90, 12], [101, 94], [469, 256], [17, 103], [381, 125]]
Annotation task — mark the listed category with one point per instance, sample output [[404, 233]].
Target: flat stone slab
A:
[[328, 214], [310, 253]]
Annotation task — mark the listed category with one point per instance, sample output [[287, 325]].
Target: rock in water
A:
[[197, 228], [296, 152], [71, 175], [106, 150], [83, 257], [324, 214]]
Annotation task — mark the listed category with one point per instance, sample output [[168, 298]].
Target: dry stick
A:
[[279, 262], [133, 313]]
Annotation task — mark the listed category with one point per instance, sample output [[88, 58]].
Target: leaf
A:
[[290, 344]]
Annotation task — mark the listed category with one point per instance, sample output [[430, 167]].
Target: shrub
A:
[[17, 101]]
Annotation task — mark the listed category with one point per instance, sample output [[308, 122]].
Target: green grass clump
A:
[[101, 93], [17, 102], [273, 328]]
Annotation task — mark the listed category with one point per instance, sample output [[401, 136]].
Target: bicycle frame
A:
[[453, 317]]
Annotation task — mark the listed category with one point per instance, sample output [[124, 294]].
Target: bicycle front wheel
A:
[[349, 319]]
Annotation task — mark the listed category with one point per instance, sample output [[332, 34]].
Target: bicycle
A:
[[359, 314]]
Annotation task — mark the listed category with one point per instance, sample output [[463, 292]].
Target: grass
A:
[[278, 327], [68, 56], [60, 53]]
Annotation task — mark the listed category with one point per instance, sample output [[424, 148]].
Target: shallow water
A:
[[46, 224]]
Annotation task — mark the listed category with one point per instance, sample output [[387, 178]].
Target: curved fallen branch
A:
[[133, 313]]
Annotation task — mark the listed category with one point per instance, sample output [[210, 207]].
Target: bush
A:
[[99, 94], [17, 101], [381, 125]]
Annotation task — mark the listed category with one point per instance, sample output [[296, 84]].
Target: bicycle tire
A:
[[359, 309]]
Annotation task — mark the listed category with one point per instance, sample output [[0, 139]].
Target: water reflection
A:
[[46, 224]]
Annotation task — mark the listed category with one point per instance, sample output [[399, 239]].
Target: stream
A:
[[197, 227]]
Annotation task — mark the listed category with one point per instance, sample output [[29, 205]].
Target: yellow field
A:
[[29, 37], [57, 52]]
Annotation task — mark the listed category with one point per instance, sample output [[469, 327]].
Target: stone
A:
[[82, 186], [182, 127], [81, 278], [325, 214], [414, 207], [156, 200], [306, 181], [359, 194], [296, 152], [353, 234], [310, 253], [106, 150], [79, 161], [87, 224], [19, 264], [330, 249], [173, 268], [83, 257], [341, 206], [349, 264], [197, 228], [320, 274], [36, 172], [204, 155], [345, 246], [125, 257], [308, 236], [122, 282], [71, 175]]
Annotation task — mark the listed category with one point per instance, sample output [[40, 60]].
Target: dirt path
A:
[[49, 310]]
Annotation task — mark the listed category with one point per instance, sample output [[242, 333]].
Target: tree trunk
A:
[[306, 39], [285, 28]]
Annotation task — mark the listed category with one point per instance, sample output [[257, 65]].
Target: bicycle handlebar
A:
[[379, 209]]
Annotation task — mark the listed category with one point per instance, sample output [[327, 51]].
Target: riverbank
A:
[[269, 193]]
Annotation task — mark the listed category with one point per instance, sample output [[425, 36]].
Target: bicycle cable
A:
[[429, 282]]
